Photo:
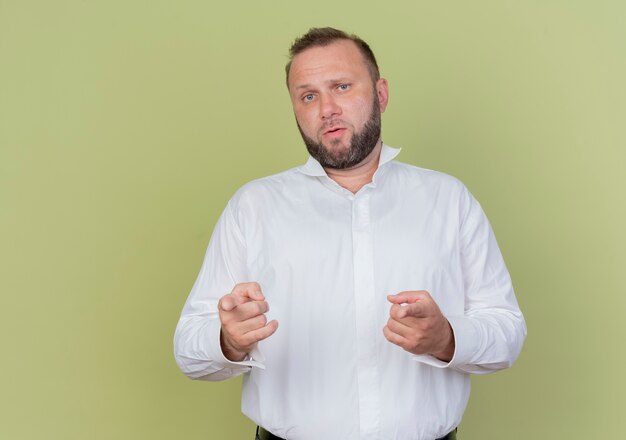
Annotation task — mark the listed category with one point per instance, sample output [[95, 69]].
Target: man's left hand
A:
[[417, 325]]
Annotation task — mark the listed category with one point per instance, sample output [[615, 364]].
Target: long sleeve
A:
[[490, 334], [197, 339]]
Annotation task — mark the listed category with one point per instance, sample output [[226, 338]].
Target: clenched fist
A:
[[242, 314]]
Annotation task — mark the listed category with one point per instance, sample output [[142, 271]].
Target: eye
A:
[[308, 98], [343, 87]]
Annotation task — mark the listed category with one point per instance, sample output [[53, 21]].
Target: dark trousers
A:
[[262, 434]]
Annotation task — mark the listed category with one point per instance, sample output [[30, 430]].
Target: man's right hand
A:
[[242, 314]]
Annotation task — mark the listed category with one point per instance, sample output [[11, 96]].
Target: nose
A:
[[329, 108]]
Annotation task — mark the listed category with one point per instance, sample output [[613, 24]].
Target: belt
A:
[[262, 434]]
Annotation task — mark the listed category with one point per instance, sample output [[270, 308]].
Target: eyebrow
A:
[[330, 81]]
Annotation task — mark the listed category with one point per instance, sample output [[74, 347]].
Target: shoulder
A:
[[414, 176], [447, 194], [266, 188]]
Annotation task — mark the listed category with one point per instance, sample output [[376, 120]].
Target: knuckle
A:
[[254, 310], [252, 286]]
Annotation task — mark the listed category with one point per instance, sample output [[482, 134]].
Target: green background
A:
[[125, 126]]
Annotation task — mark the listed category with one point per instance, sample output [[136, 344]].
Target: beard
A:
[[361, 144]]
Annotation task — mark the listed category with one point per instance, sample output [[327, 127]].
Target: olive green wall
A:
[[125, 126]]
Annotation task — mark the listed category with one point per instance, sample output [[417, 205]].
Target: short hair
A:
[[320, 37]]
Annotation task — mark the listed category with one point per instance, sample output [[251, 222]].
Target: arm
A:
[[489, 335], [198, 341]]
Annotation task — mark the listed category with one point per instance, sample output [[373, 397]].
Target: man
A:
[[386, 278]]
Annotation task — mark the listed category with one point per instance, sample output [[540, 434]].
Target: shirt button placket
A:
[[365, 310]]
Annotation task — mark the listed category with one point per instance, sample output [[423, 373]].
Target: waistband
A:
[[262, 434]]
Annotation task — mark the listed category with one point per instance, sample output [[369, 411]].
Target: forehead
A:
[[341, 58]]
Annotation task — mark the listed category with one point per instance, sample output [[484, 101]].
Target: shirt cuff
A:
[[254, 359], [466, 337]]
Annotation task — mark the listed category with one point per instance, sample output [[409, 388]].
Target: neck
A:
[[353, 179]]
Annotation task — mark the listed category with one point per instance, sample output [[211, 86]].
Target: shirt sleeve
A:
[[197, 348], [490, 334]]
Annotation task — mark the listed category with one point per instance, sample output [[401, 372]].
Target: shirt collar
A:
[[313, 168]]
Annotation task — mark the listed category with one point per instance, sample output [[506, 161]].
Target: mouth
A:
[[334, 132]]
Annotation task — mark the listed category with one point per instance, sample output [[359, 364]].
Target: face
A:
[[336, 103]]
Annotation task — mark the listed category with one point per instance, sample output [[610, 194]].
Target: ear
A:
[[382, 93]]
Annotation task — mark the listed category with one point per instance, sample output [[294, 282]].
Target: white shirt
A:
[[326, 259]]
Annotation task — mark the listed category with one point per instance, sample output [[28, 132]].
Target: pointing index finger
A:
[[247, 291], [242, 293], [405, 297]]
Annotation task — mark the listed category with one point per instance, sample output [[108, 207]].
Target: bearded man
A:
[[386, 278]]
